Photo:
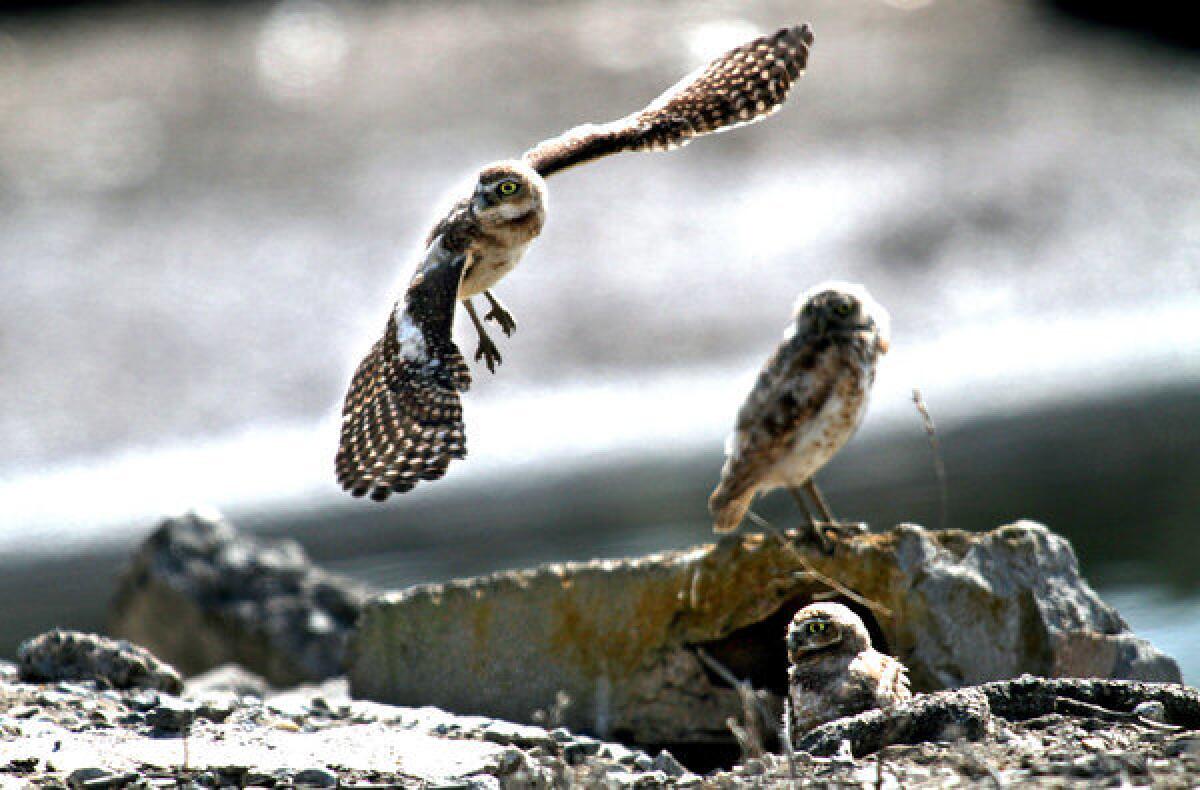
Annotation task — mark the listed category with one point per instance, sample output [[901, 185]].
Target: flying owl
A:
[[808, 401], [834, 671], [402, 419]]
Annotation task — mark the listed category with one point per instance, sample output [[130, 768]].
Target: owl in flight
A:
[[402, 418], [834, 671], [808, 401]]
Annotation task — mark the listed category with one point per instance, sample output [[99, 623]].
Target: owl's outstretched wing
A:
[[742, 86], [784, 402], [402, 418]]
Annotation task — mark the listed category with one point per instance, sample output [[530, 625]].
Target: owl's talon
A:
[[822, 540], [487, 351], [841, 529], [507, 323], [500, 315]]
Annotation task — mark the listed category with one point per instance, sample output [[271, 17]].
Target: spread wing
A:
[[789, 393], [742, 86], [402, 418]]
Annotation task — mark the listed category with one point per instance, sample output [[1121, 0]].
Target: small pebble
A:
[[8, 671], [21, 765], [666, 762], [171, 714], [81, 776], [572, 752], [142, 700], [511, 760], [216, 706], [643, 762], [316, 777], [562, 735], [1185, 746], [619, 779], [235, 775], [1152, 710], [589, 746]]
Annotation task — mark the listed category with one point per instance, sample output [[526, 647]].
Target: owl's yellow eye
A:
[[508, 188], [843, 309], [816, 628]]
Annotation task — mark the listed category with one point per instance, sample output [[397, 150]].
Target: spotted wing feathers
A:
[[402, 418], [742, 86]]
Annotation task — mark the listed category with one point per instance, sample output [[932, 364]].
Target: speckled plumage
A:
[[808, 401], [493, 240], [742, 86], [835, 671], [402, 419], [402, 416]]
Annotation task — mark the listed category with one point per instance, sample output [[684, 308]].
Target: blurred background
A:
[[206, 211]]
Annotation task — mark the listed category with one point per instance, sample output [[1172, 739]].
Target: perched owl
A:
[[402, 421], [834, 670], [808, 401]]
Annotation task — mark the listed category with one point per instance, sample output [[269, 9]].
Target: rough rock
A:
[[966, 713], [940, 716], [229, 678], [71, 655], [200, 595], [626, 640]]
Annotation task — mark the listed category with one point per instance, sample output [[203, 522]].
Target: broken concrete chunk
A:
[[968, 608], [942, 716], [621, 637], [200, 595], [73, 655], [967, 713]]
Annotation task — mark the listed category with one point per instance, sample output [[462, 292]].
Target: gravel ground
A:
[[1048, 751], [53, 735]]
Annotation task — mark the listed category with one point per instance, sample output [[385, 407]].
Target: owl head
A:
[[508, 190], [821, 628], [840, 309]]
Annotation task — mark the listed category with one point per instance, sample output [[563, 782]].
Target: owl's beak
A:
[[884, 345]]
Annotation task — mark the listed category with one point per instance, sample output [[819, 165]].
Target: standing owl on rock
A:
[[808, 401], [834, 670], [402, 419]]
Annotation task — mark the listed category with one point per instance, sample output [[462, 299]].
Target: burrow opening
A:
[[757, 654]]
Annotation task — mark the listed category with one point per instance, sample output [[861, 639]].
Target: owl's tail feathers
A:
[[727, 508]]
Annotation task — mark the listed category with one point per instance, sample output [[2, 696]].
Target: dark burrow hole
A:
[[756, 654]]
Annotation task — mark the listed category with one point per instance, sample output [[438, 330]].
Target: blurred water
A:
[[205, 212]]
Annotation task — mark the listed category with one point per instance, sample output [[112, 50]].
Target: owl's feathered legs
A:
[[486, 350], [500, 314]]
